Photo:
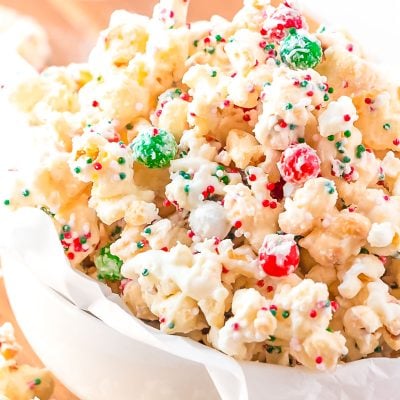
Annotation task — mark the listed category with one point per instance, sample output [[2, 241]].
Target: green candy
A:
[[108, 265], [155, 148], [300, 51]]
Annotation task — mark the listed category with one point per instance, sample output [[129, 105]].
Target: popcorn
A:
[[221, 186]]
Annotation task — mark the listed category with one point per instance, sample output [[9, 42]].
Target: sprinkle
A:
[[346, 159], [386, 126], [190, 234], [292, 127], [83, 240], [270, 186], [261, 283], [273, 312], [140, 244], [211, 50], [265, 203], [273, 204], [331, 90], [89, 161], [396, 141], [310, 93], [210, 189], [289, 106], [122, 175], [236, 326], [97, 166], [165, 248], [360, 149], [329, 187], [378, 349], [145, 272], [147, 231], [318, 360], [225, 179], [37, 381], [218, 38], [95, 103], [347, 133], [238, 224], [271, 338], [171, 325], [313, 313], [246, 117], [386, 198], [66, 228], [252, 177], [121, 160], [186, 189], [26, 193], [71, 256], [334, 305], [282, 124], [285, 314], [270, 289], [77, 170], [368, 100], [347, 117], [303, 83], [329, 330], [301, 140], [326, 97], [213, 73], [195, 43], [6, 202]]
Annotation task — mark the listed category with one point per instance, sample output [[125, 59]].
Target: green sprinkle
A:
[[386, 126], [285, 314], [121, 160], [37, 381], [178, 91], [303, 83], [331, 138], [360, 149], [331, 90], [363, 250], [89, 161], [329, 330], [330, 188], [140, 245], [147, 231], [129, 126], [145, 272], [272, 338], [116, 231], [326, 97], [347, 134], [26, 193], [6, 202], [270, 349], [61, 236], [184, 175], [220, 168], [108, 265], [289, 106], [66, 228], [269, 46], [186, 189], [273, 312], [77, 170], [122, 176], [292, 127], [225, 179], [83, 240], [378, 349], [213, 74], [346, 159], [211, 50], [339, 146], [218, 38], [195, 43], [301, 140], [171, 325]]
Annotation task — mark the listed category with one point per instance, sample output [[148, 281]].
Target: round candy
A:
[[299, 50], [279, 255], [154, 148], [282, 19], [299, 163]]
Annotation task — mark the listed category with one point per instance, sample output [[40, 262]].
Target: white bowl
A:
[[94, 361]]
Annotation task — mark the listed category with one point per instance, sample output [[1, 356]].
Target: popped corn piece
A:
[[251, 322]]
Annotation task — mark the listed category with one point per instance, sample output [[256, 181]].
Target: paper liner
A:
[[30, 235]]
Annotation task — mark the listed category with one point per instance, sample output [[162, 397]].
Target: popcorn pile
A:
[[236, 182], [20, 382]]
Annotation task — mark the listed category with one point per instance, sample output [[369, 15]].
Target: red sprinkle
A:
[[350, 47], [396, 141], [273, 307], [167, 203], [347, 117], [227, 103], [334, 305], [165, 248], [270, 289], [368, 100], [190, 234], [207, 40], [252, 178], [282, 123], [386, 198], [97, 166], [210, 189], [71, 256], [260, 283], [263, 32], [273, 204], [313, 313], [265, 203], [224, 269], [318, 360], [238, 224], [95, 103], [246, 117], [236, 326], [310, 93], [270, 186]]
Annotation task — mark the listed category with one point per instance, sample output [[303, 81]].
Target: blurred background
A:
[[73, 25]]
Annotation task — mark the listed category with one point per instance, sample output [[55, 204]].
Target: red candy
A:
[[299, 163], [279, 255], [282, 19]]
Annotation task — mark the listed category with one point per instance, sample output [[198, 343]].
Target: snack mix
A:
[[237, 182]]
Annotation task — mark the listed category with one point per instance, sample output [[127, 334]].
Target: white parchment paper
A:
[[30, 233]]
